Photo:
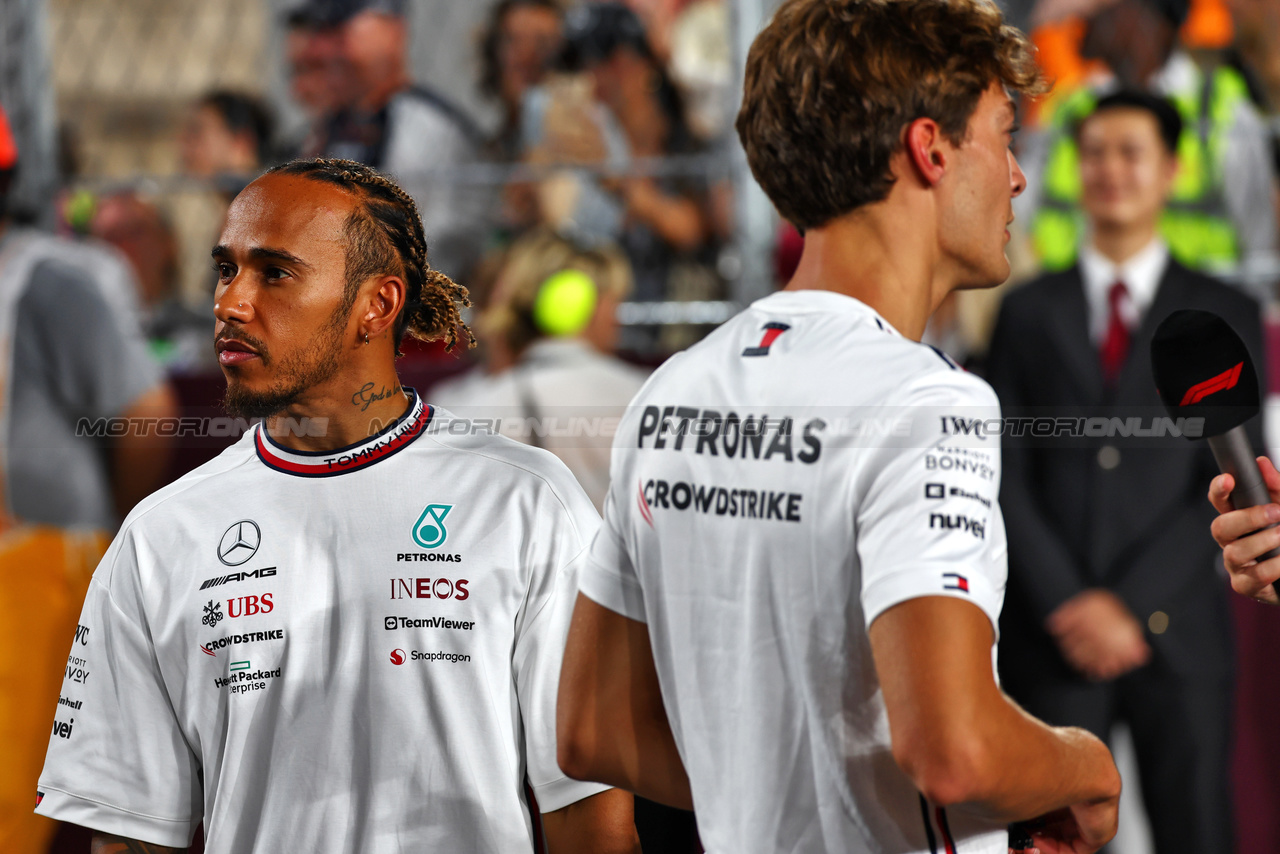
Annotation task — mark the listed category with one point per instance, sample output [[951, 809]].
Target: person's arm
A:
[[611, 726], [140, 458], [601, 824], [961, 740], [679, 221], [106, 843], [99, 366], [123, 764], [578, 815]]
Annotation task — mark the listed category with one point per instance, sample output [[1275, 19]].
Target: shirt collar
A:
[[385, 443], [819, 300], [1141, 275]]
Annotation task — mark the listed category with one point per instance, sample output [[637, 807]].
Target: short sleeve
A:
[[540, 651], [929, 522], [95, 357], [118, 760], [608, 575]]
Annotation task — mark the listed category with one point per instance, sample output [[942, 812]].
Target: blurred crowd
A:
[[614, 131], [607, 179]]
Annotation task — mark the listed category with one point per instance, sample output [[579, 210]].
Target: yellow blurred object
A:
[[44, 574]]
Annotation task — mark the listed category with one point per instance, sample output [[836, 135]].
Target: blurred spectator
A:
[[1221, 213], [548, 328], [625, 108], [1114, 610], [519, 44], [319, 79], [701, 64], [227, 136], [179, 337], [69, 357], [406, 130], [690, 38]]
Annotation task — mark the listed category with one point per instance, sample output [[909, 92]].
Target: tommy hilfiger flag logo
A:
[[955, 581], [772, 330]]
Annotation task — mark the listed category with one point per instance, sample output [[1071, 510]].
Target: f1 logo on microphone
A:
[[1223, 381]]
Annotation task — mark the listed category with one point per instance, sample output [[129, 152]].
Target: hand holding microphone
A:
[[1249, 536], [1203, 370]]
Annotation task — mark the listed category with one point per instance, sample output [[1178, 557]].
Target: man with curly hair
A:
[[788, 619], [343, 634]]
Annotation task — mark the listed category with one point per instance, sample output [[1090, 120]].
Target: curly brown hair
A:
[[385, 237], [831, 84]]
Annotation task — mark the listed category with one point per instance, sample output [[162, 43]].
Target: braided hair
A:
[[385, 236]]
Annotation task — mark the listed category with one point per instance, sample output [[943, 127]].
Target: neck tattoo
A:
[[366, 396]]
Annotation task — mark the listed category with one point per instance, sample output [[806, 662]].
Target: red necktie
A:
[[1115, 344]]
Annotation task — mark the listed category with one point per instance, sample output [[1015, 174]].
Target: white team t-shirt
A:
[[775, 489], [355, 651]]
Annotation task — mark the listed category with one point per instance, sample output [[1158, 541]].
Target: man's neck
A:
[[1119, 244], [345, 411], [878, 256]]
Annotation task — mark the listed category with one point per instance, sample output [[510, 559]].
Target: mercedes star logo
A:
[[239, 543]]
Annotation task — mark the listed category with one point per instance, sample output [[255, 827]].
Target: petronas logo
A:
[[429, 531]]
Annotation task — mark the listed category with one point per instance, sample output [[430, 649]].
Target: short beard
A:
[[299, 373]]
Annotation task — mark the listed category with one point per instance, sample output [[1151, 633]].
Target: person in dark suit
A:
[[1114, 610]]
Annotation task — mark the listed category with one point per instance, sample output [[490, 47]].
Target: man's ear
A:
[[927, 150], [383, 306]]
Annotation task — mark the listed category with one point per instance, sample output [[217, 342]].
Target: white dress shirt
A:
[[1141, 275]]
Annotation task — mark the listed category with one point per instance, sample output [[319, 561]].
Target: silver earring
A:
[[366, 338]]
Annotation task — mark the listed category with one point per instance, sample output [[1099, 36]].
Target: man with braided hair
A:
[[344, 633]]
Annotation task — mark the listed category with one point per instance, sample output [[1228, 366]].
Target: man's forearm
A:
[[105, 843], [1032, 769], [958, 737], [611, 724]]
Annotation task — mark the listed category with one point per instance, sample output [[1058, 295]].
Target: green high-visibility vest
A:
[[1195, 223]]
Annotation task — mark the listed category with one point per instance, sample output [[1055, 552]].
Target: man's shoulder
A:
[[421, 105], [930, 377], [498, 461], [1215, 294], [192, 490]]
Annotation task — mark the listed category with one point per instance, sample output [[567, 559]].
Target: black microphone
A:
[[1203, 370]]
